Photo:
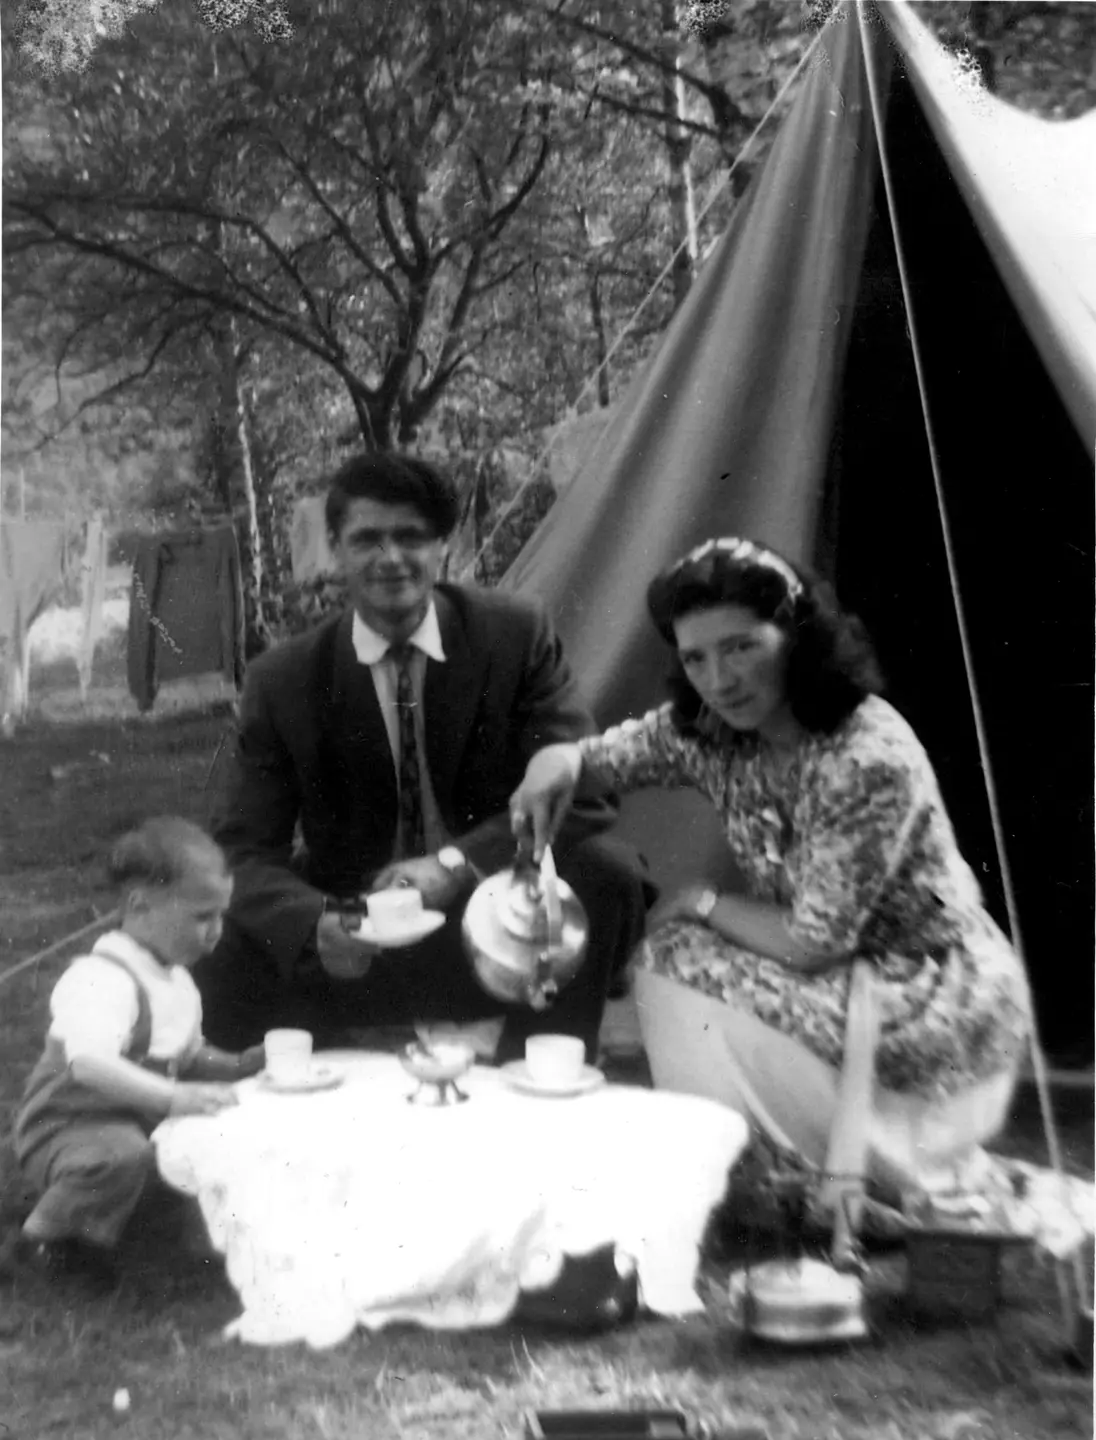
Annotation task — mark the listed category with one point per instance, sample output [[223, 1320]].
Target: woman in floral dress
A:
[[835, 822]]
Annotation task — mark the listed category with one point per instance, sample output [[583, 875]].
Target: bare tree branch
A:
[[725, 112], [344, 231]]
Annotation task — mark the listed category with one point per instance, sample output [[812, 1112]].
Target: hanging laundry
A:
[[93, 588], [32, 569], [309, 551], [186, 614]]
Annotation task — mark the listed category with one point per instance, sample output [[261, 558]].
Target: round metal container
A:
[[506, 936]]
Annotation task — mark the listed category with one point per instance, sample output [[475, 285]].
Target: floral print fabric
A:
[[853, 841]]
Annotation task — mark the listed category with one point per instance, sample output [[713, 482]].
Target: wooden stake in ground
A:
[[846, 1157]]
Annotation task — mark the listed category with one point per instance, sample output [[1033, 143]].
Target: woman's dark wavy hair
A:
[[831, 660]]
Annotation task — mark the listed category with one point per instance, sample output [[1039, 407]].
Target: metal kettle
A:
[[525, 933]]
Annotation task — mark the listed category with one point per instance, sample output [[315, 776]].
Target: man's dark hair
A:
[[831, 660], [161, 852], [393, 479]]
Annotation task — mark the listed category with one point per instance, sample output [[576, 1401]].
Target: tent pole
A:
[[1070, 1302]]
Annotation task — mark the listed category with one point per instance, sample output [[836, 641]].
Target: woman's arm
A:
[[753, 925], [853, 821], [634, 755]]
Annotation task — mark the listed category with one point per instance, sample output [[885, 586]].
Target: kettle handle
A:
[[524, 867], [549, 889]]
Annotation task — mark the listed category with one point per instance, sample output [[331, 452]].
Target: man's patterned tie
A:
[[412, 834]]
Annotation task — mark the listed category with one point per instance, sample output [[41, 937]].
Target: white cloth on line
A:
[[93, 587], [32, 564], [310, 553], [353, 1207]]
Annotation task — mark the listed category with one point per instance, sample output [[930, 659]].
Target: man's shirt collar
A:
[[371, 647]]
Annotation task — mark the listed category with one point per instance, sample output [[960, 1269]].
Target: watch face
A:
[[451, 858]]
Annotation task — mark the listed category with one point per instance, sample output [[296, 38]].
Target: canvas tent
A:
[[782, 403]]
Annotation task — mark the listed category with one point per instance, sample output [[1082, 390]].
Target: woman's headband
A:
[[746, 552]]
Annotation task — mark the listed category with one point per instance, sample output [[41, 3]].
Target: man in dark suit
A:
[[381, 748]]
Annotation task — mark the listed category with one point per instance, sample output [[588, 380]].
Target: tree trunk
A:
[[481, 504], [683, 231], [236, 481], [597, 319]]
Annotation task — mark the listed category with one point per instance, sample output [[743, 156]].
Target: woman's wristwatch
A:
[[706, 903]]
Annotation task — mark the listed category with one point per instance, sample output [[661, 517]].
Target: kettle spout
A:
[[543, 985], [541, 995]]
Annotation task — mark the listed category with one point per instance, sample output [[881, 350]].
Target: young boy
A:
[[125, 1028]]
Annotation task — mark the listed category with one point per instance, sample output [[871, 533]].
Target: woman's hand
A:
[[540, 804], [683, 904], [201, 1098]]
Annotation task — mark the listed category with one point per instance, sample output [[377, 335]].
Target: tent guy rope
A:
[[1038, 1059], [717, 190], [100, 923]]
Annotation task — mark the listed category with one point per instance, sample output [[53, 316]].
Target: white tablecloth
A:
[[352, 1207]]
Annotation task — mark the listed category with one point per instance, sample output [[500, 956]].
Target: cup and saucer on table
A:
[[291, 1068], [554, 1065], [396, 918]]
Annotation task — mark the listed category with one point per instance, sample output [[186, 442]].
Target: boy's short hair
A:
[[161, 852]]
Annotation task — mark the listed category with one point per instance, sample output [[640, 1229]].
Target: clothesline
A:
[[100, 923]]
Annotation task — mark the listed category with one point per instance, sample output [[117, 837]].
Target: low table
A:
[[353, 1207]]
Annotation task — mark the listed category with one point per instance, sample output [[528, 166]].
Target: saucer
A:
[[517, 1074], [321, 1077], [424, 924]]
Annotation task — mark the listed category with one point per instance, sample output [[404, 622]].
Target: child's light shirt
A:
[[94, 1007]]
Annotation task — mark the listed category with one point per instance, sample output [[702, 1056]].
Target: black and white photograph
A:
[[547, 778]]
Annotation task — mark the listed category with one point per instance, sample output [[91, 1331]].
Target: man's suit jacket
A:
[[312, 747]]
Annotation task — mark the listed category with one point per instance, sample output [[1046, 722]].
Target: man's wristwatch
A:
[[452, 859], [705, 904]]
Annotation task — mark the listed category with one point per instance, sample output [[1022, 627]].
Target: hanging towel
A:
[[32, 565], [93, 586], [186, 610], [308, 547]]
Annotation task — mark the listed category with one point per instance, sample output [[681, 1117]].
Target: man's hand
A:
[[201, 1098], [438, 886], [343, 956]]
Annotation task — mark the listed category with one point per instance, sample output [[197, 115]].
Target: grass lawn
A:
[[65, 791]]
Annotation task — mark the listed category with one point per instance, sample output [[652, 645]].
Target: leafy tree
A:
[[57, 35], [328, 198]]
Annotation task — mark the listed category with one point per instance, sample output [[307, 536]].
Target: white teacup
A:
[[555, 1059], [392, 912], [288, 1055]]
